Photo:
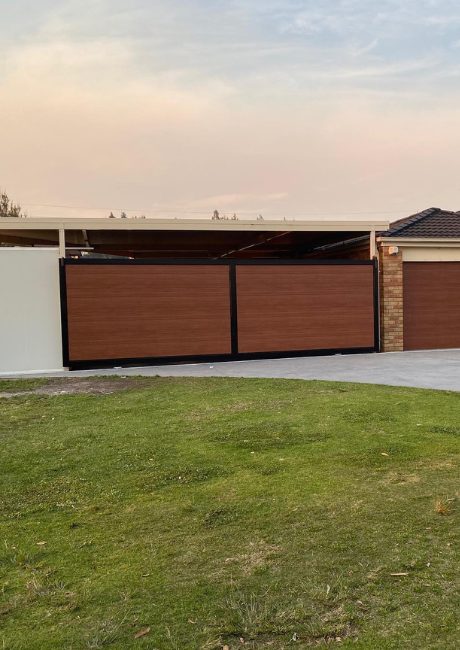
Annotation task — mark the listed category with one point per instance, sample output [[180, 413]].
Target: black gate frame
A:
[[83, 364]]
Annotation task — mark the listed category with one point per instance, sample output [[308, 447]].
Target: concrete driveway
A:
[[439, 369]]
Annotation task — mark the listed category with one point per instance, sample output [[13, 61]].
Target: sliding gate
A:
[[117, 312]]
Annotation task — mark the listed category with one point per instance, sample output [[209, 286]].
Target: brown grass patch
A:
[[442, 507], [397, 478], [258, 555], [78, 386]]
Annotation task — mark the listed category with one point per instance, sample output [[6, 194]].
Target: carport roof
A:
[[184, 238]]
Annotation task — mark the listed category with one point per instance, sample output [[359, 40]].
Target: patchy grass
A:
[[199, 513]]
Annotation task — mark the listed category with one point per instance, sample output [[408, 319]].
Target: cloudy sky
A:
[[289, 108]]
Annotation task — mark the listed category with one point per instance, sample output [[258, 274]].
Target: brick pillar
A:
[[391, 301]]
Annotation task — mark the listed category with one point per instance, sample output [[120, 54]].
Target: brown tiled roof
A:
[[433, 222]]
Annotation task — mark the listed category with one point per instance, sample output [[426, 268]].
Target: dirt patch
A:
[[261, 640], [78, 386]]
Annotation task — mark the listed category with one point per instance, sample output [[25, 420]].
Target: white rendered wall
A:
[[431, 254], [30, 325]]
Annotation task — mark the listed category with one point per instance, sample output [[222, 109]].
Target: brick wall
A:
[[391, 301]]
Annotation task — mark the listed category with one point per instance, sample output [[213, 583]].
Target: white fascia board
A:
[[417, 242], [31, 223], [21, 249]]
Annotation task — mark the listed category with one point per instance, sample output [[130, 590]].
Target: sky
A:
[[285, 108]]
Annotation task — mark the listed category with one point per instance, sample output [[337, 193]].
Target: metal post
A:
[[373, 246], [61, 242]]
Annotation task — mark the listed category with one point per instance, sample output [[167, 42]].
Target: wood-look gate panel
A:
[[431, 305], [147, 311], [305, 307]]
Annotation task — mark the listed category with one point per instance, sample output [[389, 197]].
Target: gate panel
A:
[[137, 311], [306, 307], [431, 305]]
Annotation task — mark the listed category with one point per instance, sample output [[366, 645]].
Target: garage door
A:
[[431, 305], [129, 311]]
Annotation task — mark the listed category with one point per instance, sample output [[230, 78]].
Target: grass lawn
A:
[[204, 513]]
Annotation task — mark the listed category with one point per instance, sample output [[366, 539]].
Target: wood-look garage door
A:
[[431, 305], [305, 307], [129, 311], [123, 311]]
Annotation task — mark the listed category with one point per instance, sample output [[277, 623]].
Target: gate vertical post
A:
[[64, 316], [376, 305], [233, 308]]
